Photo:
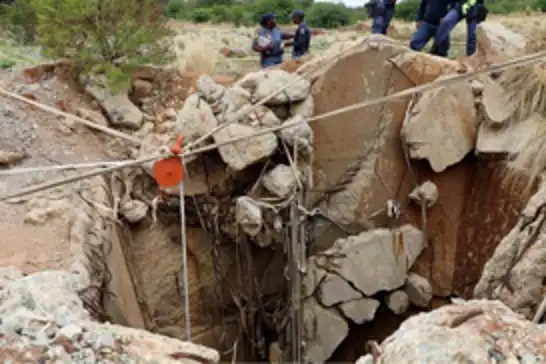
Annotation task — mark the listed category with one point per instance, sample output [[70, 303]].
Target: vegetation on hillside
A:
[[108, 37], [320, 14]]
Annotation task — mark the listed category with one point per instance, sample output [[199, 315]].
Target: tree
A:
[[104, 36], [281, 8], [304, 4], [328, 15], [407, 9], [19, 19]]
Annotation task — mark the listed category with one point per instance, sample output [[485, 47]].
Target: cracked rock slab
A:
[[334, 289], [442, 126], [324, 330], [375, 260]]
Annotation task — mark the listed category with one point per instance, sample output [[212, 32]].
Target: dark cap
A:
[[266, 17], [297, 14]]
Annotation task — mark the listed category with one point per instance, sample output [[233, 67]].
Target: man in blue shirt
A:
[[302, 37], [429, 17], [268, 41], [474, 11]]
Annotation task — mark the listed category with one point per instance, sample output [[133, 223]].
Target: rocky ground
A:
[[52, 284]]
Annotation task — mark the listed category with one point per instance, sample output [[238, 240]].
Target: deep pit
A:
[[238, 289], [390, 241]]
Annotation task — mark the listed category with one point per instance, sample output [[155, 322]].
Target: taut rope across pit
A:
[[516, 62]]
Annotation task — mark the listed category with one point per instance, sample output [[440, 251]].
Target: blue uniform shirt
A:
[[302, 40], [273, 56]]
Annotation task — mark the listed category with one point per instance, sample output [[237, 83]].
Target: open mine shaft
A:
[[360, 207]]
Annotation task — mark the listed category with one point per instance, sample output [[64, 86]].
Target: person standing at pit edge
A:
[[269, 41], [302, 37], [429, 17], [474, 11], [381, 12]]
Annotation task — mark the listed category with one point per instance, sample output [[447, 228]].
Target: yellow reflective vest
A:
[[467, 5]]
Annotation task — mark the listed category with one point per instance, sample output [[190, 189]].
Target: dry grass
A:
[[526, 87], [530, 160], [193, 57]]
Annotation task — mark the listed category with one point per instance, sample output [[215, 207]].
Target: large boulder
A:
[[441, 126], [476, 331], [351, 151], [245, 152], [195, 119], [295, 88], [497, 43], [359, 163]]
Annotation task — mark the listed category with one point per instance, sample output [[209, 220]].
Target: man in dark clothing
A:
[[429, 17], [381, 12], [269, 41], [302, 37], [474, 11]]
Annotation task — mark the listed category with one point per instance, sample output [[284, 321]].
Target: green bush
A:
[[239, 17], [19, 20], [358, 14], [221, 14], [328, 15], [175, 8], [281, 8], [407, 9], [110, 37], [305, 4], [201, 15], [7, 63]]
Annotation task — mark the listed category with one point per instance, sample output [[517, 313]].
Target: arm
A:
[[286, 36]]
